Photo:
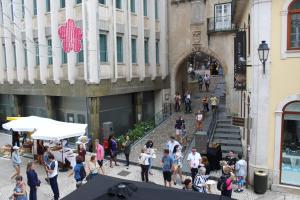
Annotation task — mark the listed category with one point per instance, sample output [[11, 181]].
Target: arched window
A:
[[294, 25], [290, 144]]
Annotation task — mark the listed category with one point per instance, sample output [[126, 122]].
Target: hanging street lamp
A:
[[263, 53]]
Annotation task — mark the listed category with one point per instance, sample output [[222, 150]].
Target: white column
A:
[[127, 41], [141, 38], [43, 44], [56, 44], [20, 61], [112, 37], [30, 45], [163, 41], [152, 39], [84, 40], [261, 23], [2, 59], [93, 42], [70, 14], [8, 32]]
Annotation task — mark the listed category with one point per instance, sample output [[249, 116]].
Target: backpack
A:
[[221, 185], [82, 172]]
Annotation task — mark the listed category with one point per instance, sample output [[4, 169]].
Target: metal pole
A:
[[248, 140]]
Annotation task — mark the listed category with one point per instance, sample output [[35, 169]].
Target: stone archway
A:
[[183, 58]]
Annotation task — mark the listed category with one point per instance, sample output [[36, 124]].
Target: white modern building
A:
[[119, 75]]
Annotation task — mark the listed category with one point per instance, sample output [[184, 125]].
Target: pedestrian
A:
[[231, 159], [200, 82], [171, 144], [241, 172], [200, 181], [16, 161], [177, 166], [99, 155], [188, 185], [19, 192], [179, 127], [32, 181], [15, 139], [40, 151], [81, 151], [127, 149], [93, 167], [199, 121], [112, 147], [188, 103], [206, 164], [214, 103], [207, 82], [46, 161], [79, 171], [52, 175], [227, 178], [167, 167], [194, 159], [177, 99], [144, 163], [205, 104], [151, 151]]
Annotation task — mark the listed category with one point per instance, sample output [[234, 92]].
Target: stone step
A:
[[224, 121], [237, 150], [226, 142], [225, 125], [227, 130], [226, 136]]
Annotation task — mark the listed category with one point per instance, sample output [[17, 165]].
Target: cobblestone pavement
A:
[[160, 135], [67, 184]]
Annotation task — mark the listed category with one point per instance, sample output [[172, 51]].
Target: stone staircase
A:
[[228, 137]]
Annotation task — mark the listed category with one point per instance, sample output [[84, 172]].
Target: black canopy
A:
[[104, 188]]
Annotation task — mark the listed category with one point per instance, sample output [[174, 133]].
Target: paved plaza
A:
[[67, 184]]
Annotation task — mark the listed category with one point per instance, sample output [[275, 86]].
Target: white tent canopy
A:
[[59, 132], [46, 129]]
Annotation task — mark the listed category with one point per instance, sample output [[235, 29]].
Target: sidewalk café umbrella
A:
[[28, 124], [109, 188]]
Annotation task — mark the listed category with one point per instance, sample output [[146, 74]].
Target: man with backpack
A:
[[78, 171], [225, 182], [188, 102], [207, 82], [200, 82]]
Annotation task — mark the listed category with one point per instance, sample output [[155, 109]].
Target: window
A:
[[102, 2], [34, 7], [64, 56], [290, 144], [47, 5], [50, 61], [145, 8], [133, 50], [80, 56], [25, 53], [119, 49], [15, 55], [37, 57], [294, 25], [146, 45], [62, 3], [132, 6], [4, 56], [23, 9], [78, 1], [157, 51], [119, 4], [103, 48], [156, 9], [223, 16]]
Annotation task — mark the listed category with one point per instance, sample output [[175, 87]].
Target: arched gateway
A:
[[200, 58]]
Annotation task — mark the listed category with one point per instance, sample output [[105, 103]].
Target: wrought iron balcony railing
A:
[[220, 24]]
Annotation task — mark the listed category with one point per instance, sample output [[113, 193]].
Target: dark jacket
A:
[[32, 179], [127, 147]]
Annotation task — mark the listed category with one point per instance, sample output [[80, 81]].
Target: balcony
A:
[[220, 24]]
